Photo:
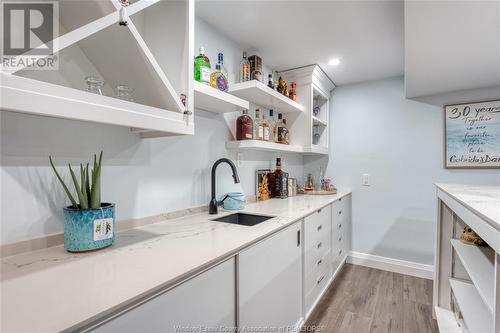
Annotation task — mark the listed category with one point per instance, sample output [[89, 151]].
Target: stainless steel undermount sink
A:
[[243, 219]]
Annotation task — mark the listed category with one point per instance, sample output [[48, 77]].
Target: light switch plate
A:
[[366, 180]]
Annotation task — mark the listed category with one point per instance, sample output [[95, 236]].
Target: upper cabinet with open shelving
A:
[[91, 42]]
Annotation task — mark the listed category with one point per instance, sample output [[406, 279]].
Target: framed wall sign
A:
[[472, 135]]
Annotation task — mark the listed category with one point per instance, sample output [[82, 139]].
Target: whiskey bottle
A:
[[244, 127], [281, 130], [279, 182]]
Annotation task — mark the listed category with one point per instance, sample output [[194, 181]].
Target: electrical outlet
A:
[[366, 180]]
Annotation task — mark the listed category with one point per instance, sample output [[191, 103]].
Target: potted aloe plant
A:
[[88, 223]]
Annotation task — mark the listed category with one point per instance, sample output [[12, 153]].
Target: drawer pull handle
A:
[[319, 210], [340, 212], [320, 227], [321, 279], [319, 244], [340, 239], [340, 199], [340, 225], [340, 252], [320, 261]]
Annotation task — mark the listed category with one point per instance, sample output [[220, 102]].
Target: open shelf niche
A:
[[120, 55]]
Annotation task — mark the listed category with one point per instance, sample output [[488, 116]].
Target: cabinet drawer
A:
[[320, 267], [319, 285], [315, 251], [317, 224]]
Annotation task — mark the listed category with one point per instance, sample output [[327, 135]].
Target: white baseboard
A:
[[391, 265]]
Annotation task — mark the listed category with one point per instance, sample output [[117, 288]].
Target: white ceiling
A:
[[451, 45], [367, 36]]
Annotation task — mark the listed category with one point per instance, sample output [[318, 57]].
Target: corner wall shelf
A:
[[258, 93], [213, 100]]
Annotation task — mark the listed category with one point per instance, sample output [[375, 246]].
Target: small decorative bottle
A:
[[218, 79], [202, 67], [244, 127], [257, 124], [292, 93], [270, 83], [272, 123], [244, 68], [265, 128]]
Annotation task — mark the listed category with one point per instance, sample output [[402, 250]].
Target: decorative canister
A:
[[89, 229], [234, 201]]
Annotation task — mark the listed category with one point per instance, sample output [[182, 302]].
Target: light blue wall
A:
[[399, 142]]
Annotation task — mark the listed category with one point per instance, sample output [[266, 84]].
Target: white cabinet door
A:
[[207, 300], [270, 281]]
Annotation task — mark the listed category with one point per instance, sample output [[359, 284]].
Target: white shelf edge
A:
[[263, 146], [319, 121], [315, 149], [446, 321], [30, 96], [481, 270], [221, 102], [474, 310], [244, 88]]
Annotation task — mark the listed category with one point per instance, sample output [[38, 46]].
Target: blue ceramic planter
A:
[[89, 229]]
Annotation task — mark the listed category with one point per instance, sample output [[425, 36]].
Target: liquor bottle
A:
[[272, 123], [270, 83], [202, 67], [218, 79], [244, 68], [280, 130], [292, 93], [257, 124], [278, 182], [265, 128], [287, 135], [244, 127]]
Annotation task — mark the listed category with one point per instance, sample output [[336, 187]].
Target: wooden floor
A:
[[364, 299]]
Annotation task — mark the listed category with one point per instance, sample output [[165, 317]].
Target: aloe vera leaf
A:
[[83, 203], [70, 197], [87, 182], [95, 198], [82, 182]]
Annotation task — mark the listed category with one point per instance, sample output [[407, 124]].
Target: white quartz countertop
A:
[[52, 290], [482, 200]]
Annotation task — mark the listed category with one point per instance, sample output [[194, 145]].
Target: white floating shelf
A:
[[25, 95], [479, 262], [213, 100], [315, 149], [263, 146], [317, 121], [476, 315], [258, 93]]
